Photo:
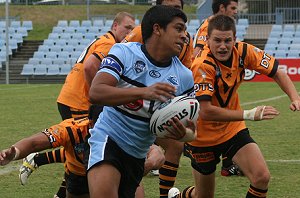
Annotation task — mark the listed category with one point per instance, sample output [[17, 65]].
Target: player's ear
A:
[[156, 29]]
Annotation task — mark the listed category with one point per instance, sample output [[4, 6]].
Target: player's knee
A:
[[261, 179]]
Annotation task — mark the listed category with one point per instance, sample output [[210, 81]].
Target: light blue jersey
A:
[[128, 125]]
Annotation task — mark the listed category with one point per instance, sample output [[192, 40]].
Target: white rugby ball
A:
[[182, 107]]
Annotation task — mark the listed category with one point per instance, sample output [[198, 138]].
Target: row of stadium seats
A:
[[17, 31], [43, 69], [284, 41]]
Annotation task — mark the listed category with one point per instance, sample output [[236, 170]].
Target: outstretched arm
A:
[[285, 83], [24, 147]]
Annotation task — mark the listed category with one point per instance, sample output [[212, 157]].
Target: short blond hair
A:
[[121, 15]]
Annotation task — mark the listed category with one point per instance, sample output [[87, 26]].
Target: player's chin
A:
[[223, 57]]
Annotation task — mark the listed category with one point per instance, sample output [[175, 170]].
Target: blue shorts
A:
[[205, 159], [131, 168]]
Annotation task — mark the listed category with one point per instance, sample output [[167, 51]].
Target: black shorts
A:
[[66, 112], [205, 159], [131, 168], [76, 185]]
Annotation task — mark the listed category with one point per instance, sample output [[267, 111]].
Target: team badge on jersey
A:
[[139, 66], [173, 80]]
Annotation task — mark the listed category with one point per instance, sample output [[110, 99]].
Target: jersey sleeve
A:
[[134, 36], [102, 50], [204, 74], [57, 135], [113, 63], [200, 38], [258, 60], [187, 57]]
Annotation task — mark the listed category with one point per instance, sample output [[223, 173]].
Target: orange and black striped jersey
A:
[[70, 134], [75, 91], [186, 53], [200, 37], [218, 82]]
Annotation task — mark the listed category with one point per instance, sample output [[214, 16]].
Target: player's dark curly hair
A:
[[159, 2], [216, 4], [161, 15], [222, 23]]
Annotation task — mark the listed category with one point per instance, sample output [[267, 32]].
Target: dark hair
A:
[[159, 2], [161, 15], [216, 4], [222, 23], [94, 112]]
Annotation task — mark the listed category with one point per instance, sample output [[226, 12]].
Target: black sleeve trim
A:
[[275, 68], [116, 59], [203, 97], [97, 56]]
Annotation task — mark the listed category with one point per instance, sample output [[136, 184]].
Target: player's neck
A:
[[158, 53]]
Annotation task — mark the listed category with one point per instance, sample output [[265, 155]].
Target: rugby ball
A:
[[182, 107]]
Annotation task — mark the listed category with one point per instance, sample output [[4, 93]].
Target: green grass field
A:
[[27, 109]]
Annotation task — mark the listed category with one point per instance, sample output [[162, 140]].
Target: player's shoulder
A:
[[107, 38], [204, 59]]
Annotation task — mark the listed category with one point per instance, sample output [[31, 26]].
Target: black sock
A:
[[54, 156]]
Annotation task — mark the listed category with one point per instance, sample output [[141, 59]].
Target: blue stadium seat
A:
[[284, 47], [98, 23], [66, 36], [28, 69], [289, 28], [28, 25], [276, 28], [90, 36], [59, 61], [108, 22], [74, 23], [46, 61], [137, 22], [280, 53], [285, 40], [288, 34], [40, 69], [78, 36], [275, 34], [65, 69], [58, 29], [62, 23], [82, 30], [15, 24], [34, 61], [51, 55], [295, 46], [272, 40], [44, 48], [53, 70], [86, 23], [293, 54], [54, 36], [70, 30], [64, 55]]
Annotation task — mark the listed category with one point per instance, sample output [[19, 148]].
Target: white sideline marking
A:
[[18, 88], [284, 161], [265, 100], [8, 169]]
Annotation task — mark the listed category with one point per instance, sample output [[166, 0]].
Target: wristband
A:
[[17, 153], [249, 114]]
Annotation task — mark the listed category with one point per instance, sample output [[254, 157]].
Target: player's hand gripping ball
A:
[[182, 107]]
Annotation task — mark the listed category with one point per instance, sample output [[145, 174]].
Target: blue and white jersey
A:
[[128, 125]]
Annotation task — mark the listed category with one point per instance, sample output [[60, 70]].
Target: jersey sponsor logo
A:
[[203, 87], [134, 106], [249, 74], [265, 61], [173, 80], [139, 66], [154, 74], [110, 62], [202, 38]]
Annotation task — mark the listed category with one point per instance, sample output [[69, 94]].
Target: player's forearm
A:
[[285, 83], [113, 96], [214, 113], [35, 143]]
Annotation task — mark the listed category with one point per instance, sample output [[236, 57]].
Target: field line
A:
[[265, 100], [8, 169], [21, 88]]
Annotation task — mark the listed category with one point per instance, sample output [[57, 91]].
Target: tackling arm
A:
[[24, 147], [285, 83]]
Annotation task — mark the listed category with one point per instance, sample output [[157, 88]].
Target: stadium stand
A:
[[284, 41], [16, 34]]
